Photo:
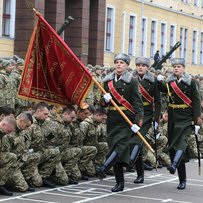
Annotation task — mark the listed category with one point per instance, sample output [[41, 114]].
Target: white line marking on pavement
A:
[[64, 195], [36, 200], [151, 198], [130, 189]]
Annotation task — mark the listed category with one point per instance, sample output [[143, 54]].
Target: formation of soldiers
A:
[[43, 145]]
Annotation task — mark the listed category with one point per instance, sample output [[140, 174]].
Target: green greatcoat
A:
[[181, 120], [118, 129], [152, 111]]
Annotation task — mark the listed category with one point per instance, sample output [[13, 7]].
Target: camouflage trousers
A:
[[85, 163], [192, 145], [69, 159], [102, 151], [59, 175], [8, 166], [49, 158], [28, 171], [161, 144]]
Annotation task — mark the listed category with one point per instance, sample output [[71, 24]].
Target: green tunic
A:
[[118, 129], [152, 111], [181, 120]]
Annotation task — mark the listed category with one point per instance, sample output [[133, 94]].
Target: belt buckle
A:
[[178, 106]]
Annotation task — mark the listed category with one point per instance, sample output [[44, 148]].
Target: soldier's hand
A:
[[197, 127], [107, 97], [156, 125], [135, 128], [160, 77]]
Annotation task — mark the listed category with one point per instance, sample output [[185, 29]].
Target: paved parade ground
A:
[[159, 186]]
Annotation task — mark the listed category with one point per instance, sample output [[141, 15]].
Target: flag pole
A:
[[123, 115]]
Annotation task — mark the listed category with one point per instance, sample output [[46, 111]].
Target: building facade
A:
[[141, 27], [7, 27], [85, 35]]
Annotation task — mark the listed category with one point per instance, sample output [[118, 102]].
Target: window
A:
[[131, 45], [184, 42], [143, 37], [123, 33], [153, 38], [201, 48], [172, 38], [196, 2], [8, 18], [109, 42], [194, 47], [163, 39]]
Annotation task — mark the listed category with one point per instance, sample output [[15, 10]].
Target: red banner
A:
[[52, 72]]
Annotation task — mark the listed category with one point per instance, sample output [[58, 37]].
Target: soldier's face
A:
[[120, 67], [100, 118], [178, 70], [165, 117], [23, 124], [8, 127], [84, 114], [141, 69], [69, 117], [42, 114]]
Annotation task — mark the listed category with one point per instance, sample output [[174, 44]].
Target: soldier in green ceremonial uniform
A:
[[152, 109], [124, 91], [183, 112]]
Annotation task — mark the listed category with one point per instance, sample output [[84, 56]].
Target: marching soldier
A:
[[152, 109], [184, 111], [123, 89]]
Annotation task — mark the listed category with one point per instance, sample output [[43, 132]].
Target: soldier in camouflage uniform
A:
[[49, 155], [7, 97], [91, 129], [15, 77], [18, 143], [8, 161], [61, 138], [88, 152]]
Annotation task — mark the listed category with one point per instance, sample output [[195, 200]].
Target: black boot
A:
[[119, 176], [140, 169], [31, 189], [47, 183], [4, 191], [182, 176], [101, 171], [134, 155], [176, 162]]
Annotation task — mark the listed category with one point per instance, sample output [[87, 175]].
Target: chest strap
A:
[[119, 98], [180, 94], [146, 94]]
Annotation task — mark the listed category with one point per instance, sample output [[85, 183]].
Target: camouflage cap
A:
[[98, 67], [123, 57], [20, 62], [178, 61], [142, 60], [6, 63]]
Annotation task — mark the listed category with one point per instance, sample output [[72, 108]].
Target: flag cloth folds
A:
[[52, 72]]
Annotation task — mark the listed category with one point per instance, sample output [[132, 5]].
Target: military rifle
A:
[[67, 21], [167, 56]]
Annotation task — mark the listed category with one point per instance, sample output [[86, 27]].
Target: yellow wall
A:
[[155, 11], [6, 44]]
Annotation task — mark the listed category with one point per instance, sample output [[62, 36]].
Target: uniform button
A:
[[124, 83], [122, 89]]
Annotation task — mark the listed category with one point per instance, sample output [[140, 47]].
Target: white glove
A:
[[197, 127], [107, 97], [156, 125], [31, 150], [135, 128], [160, 77]]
